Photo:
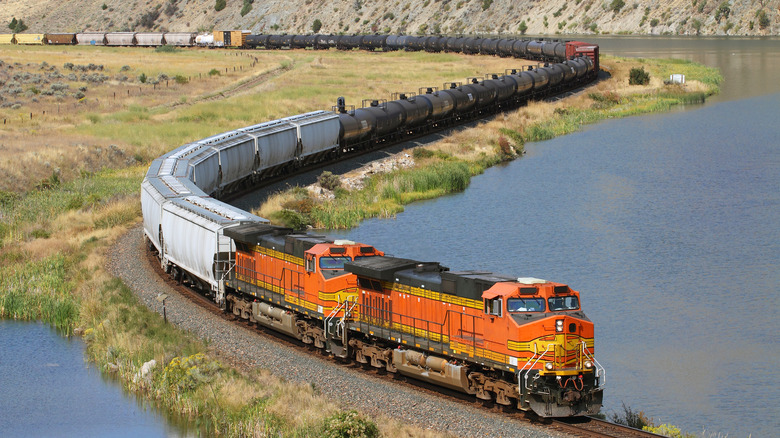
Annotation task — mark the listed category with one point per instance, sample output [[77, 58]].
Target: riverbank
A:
[[447, 165], [57, 236]]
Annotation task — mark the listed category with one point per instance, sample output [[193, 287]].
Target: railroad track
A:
[[579, 427]]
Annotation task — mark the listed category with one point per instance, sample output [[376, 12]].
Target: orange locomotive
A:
[[517, 341]]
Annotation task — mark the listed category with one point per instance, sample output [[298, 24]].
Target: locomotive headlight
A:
[[548, 366], [588, 364], [559, 325]]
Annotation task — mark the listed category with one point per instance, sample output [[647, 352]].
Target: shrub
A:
[[503, 144], [348, 425], [522, 28], [486, 4], [316, 26], [421, 153], [247, 7], [219, 5], [181, 79], [638, 76], [328, 180], [142, 78], [616, 5], [763, 19], [214, 72], [668, 430], [629, 418], [166, 49]]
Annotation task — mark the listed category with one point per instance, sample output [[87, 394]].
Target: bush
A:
[[166, 49], [329, 181], [763, 19], [522, 28], [219, 5], [181, 79], [616, 5], [142, 78], [638, 76], [247, 7], [629, 418], [316, 26], [214, 72], [348, 425]]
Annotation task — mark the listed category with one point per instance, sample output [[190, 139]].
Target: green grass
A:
[[39, 291]]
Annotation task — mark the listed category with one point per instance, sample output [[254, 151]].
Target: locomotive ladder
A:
[[341, 331]]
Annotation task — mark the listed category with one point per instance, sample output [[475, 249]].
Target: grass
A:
[[69, 186]]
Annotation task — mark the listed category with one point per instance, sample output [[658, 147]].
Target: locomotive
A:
[[516, 341], [523, 341]]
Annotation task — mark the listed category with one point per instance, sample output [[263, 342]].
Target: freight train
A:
[[535, 49], [517, 341]]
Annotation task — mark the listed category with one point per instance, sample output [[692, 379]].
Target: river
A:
[[669, 226], [48, 390]]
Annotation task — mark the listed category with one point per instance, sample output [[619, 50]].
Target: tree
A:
[[763, 19], [616, 5], [220, 5], [723, 11], [316, 26], [696, 25], [522, 28], [12, 24], [20, 27]]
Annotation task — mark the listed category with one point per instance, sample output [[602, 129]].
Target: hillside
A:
[[549, 17]]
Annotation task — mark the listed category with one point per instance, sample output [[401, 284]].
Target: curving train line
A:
[[518, 341]]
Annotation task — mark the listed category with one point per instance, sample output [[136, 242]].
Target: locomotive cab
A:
[[550, 340], [326, 277]]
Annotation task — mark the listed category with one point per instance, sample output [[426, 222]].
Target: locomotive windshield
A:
[[333, 262], [564, 303], [525, 305]]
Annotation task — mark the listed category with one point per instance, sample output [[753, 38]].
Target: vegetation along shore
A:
[[83, 123]]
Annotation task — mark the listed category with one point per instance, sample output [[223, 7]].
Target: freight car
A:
[[517, 341]]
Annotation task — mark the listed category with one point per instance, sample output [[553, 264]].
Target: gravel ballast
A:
[[353, 388]]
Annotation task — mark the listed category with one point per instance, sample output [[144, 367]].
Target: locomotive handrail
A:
[[601, 372], [525, 378]]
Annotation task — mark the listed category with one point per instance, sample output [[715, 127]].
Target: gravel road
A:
[[353, 388]]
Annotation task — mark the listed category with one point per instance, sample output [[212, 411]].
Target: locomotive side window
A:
[[525, 305], [493, 307], [331, 262], [310, 265], [563, 303]]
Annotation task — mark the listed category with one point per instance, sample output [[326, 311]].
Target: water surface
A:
[[48, 390]]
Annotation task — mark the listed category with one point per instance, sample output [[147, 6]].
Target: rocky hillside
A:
[[419, 17]]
